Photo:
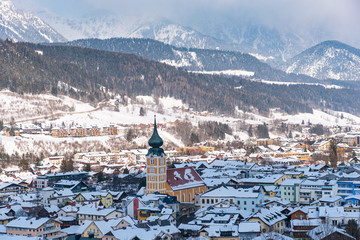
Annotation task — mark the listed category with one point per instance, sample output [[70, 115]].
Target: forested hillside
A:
[[88, 74], [190, 59]]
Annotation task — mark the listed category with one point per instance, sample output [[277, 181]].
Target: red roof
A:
[[182, 178]]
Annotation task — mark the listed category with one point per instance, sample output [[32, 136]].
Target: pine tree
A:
[[100, 176], [333, 153], [142, 112], [130, 135], [194, 138], [87, 168], [352, 228], [63, 166], [250, 131], [37, 162], [290, 135], [70, 165]]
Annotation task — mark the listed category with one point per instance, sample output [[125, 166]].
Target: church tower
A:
[[155, 164]]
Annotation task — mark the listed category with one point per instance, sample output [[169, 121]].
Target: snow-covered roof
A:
[[249, 227], [183, 178], [24, 222]]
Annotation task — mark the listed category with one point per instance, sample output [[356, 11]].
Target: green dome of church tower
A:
[[155, 142]]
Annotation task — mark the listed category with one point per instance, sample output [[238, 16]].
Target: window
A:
[[152, 161]]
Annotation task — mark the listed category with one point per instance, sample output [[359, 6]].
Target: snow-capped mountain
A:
[[115, 26], [329, 59], [176, 35], [19, 25], [266, 43]]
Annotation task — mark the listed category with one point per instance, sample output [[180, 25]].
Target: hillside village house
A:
[[42, 227], [270, 220], [246, 199], [98, 214]]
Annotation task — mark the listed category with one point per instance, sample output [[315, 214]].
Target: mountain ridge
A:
[[327, 60], [95, 75], [191, 59], [18, 25]]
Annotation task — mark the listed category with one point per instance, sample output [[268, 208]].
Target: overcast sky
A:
[[338, 18]]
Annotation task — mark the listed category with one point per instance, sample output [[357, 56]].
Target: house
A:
[[223, 232], [89, 213], [77, 131], [300, 228], [190, 230], [59, 132], [249, 230], [74, 186], [42, 227], [313, 190], [348, 186], [6, 215], [59, 197], [50, 179], [131, 206], [290, 190], [327, 232], [331, 201], [299, 213], [7, 189], [105, 198], [336, 215], [266, 180], [353, 199], [271, 220], [67, 216], [54, 160], [98, 229]]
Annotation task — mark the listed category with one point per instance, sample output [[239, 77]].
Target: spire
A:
[[155, 142]]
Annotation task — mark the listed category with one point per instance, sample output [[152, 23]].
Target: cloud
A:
[[337, 19]]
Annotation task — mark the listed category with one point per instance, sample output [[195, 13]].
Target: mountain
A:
[[110, 26], [19, 25], [93, 76], [327, 60], [267, 43], [191, 59]]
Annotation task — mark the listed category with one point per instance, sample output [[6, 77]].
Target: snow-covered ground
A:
[[70, 112], [299, 83], [228, 72]]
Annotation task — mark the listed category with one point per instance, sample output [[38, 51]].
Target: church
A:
[[184, 183]]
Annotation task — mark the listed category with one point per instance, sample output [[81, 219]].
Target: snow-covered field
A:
[[299, 83], [228, 72], [70, 112]]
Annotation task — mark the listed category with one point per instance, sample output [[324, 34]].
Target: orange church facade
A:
[[184, 183]]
